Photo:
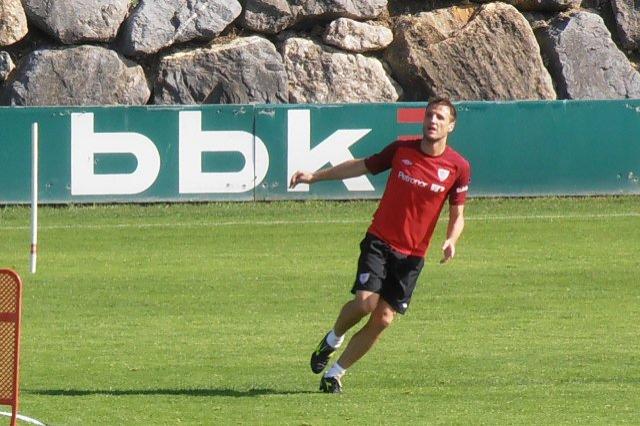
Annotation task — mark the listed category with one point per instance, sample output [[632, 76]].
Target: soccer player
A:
[[425, 172]]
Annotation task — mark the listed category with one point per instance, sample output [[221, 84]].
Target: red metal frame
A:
[[10, 304]]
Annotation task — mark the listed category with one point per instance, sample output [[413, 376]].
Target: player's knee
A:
[[367, 304], [383, 317]]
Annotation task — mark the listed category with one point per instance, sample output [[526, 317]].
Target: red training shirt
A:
[[416, 190]]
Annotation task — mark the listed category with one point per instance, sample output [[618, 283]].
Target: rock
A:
[[156, 24], [627, 19], [78, 21], [267, 16], [434, 27], [321, 74], [540, 5], [493, 56], [584, 60], [80, 75], [355, 36], [596, 6], [274, 16], [6, 66], [538, 19], [13, 22], [412, 37], [246, 70], [331, 9]]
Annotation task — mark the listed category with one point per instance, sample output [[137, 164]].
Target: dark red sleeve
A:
[[458, 193], [381, 161]]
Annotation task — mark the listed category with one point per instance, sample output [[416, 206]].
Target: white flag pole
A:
[[34, 196]]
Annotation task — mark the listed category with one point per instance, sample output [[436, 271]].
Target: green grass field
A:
[[206, 314]]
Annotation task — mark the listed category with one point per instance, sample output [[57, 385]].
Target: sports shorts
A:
[[384, 271]]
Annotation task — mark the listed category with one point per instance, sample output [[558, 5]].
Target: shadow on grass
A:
[[179, 392]]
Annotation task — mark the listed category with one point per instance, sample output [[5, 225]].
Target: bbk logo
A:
[[193, 144]]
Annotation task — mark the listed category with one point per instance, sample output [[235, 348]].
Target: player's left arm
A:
[[454, 230]]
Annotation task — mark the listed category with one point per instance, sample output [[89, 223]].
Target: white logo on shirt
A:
[[437, 188], [406, 162], [462, 189], [412, 180], [443, 174], [434, 187], [364, 277]]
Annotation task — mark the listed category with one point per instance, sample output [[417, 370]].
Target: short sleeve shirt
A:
[[416, 190]]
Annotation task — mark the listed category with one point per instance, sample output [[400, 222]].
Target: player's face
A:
[[437, 123]]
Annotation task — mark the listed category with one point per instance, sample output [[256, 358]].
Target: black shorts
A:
[[386, 272]]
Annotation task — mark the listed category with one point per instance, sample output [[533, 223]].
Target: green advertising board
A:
[[129, 154], [551, 148], [248, 152]]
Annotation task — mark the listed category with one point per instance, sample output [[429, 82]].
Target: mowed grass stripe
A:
[[317, 222]]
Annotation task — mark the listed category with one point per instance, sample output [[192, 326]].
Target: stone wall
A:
[[137, 52]]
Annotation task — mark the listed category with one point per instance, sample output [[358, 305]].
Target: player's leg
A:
[[368, 335], [366, 288], [351, 313], [395, 295], [358, 346], [354, 310]]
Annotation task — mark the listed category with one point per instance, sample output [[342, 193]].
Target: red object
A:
[[416, 191], [10, 301], [410, 115]]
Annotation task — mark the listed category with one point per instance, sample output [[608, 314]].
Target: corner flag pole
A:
[[34, 196]]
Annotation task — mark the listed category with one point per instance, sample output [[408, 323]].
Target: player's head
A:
[[439, 119], [445, 102]]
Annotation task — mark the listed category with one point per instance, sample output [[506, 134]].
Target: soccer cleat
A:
[[320, 357], [330, 385]]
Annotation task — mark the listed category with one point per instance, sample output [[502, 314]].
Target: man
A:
[[424, 173]]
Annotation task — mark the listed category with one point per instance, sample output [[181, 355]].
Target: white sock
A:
[[335, 371], [333, 340]]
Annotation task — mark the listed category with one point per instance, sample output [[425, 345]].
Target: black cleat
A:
[[330, 385], [320, 357]]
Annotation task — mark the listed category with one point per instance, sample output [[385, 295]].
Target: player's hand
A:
[[300, 177], [448, 251]]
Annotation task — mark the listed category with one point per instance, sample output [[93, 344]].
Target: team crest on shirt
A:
[[443, 174], [364, 277]]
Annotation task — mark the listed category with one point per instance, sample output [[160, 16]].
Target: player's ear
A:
[[451, 126]]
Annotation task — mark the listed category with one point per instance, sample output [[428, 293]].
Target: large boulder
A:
[[13, 22], [80, 75], [489, 54], [78, 21], [322, 74], [584, 60], [246, 70], [156, 24], [273, 16], [627, 18], [355, 36]]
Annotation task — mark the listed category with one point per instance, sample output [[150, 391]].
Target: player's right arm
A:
[[345, 170]]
